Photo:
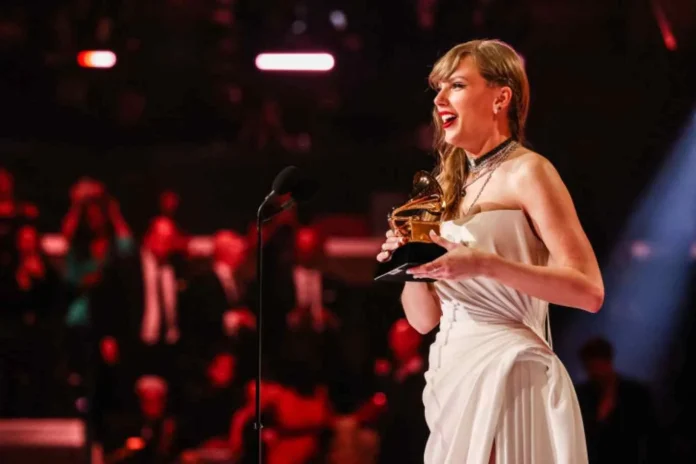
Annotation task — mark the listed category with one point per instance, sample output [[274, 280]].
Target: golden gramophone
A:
[[414, 220], [409, 220]]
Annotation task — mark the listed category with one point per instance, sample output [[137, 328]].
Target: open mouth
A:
[[448, 119]]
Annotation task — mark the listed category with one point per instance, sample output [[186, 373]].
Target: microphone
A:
[[289, 181]]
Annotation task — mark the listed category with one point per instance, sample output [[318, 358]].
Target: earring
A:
[[496, 109]]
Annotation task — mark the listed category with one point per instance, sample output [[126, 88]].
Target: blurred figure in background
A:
[[169, 204], [297, 415], [218, 304], [13, 215], [168, 207], [96, 233], [310, 284], [211, 399], [137, 302], [618, 413], [149, 434], [136, 321], [29, 311], [404, 431]]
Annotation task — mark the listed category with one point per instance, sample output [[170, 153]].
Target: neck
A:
[[487, 144]]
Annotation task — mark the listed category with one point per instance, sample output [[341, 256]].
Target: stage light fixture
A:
[[313, 62]]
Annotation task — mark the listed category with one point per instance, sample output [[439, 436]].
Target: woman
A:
[[495, 391]]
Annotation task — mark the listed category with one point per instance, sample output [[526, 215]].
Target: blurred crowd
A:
[[154, 345], [152, 341]]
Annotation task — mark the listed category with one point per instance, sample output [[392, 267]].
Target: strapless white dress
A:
[[493, 380]]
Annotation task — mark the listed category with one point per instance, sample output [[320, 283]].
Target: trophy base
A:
[[410, 255]]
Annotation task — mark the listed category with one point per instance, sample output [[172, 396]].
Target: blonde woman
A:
[[496, 392]]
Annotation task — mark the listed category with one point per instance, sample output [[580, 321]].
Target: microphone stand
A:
[[259, 318], [259, 321]]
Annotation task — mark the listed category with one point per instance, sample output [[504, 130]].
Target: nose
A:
[[440, 98]]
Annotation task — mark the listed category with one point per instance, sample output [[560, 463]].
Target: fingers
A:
[[427, 268], [392, 242], [440, 240]]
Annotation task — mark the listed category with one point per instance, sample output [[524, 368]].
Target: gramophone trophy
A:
[[414, 220]]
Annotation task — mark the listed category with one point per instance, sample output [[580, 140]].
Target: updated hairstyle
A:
[[501, 66]]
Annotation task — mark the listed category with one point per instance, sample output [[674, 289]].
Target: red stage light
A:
[[96, 59]]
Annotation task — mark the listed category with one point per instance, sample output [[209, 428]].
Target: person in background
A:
[[210, 400], [96, 232], [13, 215], [618, 413], [218, 307], [29, 312], [403, 428]]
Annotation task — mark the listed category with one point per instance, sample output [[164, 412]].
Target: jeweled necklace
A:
[[493, 165], [478, 164]]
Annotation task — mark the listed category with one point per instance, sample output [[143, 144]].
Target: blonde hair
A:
[[500, 65]]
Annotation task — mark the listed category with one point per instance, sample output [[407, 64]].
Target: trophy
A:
[[414, 220]]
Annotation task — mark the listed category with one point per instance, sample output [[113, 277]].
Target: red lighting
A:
[[96, 59], [295, 62], [663, 23], [135, 443]]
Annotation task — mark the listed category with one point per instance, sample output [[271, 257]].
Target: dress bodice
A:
[[508, 234]]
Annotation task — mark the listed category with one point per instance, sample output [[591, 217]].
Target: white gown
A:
[[493, 379]]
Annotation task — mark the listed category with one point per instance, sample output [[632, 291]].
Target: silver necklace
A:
[[488, 159], [499, 160]]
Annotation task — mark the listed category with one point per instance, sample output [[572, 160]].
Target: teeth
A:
[[448, 118]]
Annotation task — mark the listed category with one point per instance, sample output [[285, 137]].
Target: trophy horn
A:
[[426, 197]]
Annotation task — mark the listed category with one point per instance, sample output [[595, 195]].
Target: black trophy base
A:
[[410, 255]]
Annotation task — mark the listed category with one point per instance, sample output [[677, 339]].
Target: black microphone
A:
[[289, 180]]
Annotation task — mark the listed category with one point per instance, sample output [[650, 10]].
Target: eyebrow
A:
[[455, 77]]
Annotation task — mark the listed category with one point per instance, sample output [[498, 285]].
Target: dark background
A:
[[609, 101]]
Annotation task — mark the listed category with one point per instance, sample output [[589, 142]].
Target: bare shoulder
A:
[[529, 165], [534, 183]]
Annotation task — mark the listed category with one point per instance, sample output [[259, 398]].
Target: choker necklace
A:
[[477, 164]]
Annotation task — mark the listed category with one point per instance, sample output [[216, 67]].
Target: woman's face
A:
[[465, 103]]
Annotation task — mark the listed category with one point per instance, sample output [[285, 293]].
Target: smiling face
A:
[[468, 106], [482, 93]]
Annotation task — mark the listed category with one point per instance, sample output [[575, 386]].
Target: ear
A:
[[502, 100]]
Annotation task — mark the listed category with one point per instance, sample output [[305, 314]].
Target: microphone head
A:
[[286, 180], [291, 180]]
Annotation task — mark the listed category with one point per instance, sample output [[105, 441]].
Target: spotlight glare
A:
[[338, 19], [96, 59], [295, 61]]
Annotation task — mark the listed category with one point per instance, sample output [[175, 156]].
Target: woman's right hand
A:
[[392, 242]]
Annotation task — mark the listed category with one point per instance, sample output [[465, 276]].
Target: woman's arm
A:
[[573, 277], [421, 306]]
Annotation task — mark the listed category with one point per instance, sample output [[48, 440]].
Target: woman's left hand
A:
[[459, 262]]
